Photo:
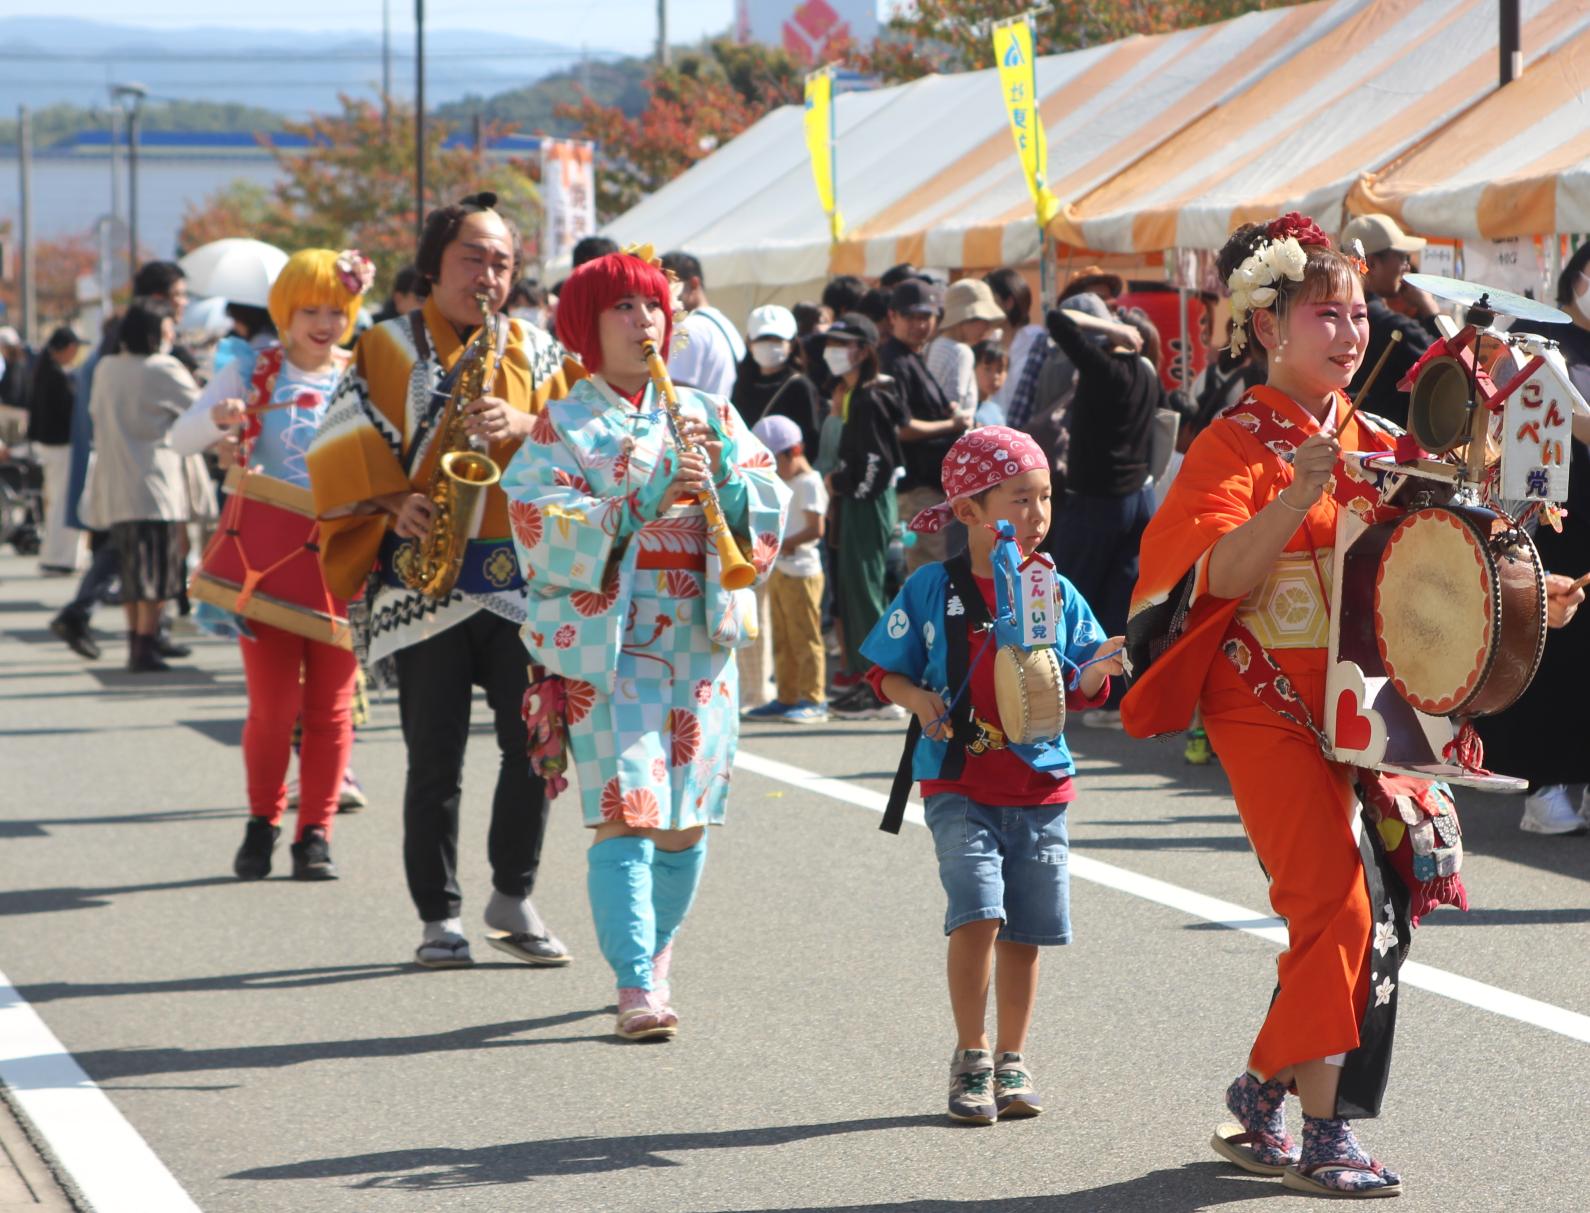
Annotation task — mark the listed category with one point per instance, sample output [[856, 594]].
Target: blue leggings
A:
[[639, 897]]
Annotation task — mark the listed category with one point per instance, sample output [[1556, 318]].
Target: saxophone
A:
[[734, 570], [461, 476]]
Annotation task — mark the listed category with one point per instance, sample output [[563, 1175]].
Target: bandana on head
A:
[[979, 460]]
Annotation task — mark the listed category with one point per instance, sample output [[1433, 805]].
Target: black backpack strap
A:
[[963, 586]]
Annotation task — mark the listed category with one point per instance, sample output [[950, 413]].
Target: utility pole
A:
[[115, 163], [386, 71], [25, 180], [134, 95], [662, 33], [1511, 42], [480, 134], [419, 118]]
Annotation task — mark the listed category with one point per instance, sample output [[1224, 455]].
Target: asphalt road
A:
[[275, 1048]]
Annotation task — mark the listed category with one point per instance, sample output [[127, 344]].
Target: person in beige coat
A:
[[137, 488]]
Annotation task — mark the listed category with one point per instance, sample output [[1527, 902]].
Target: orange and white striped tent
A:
[[1517, 164], [1359, 95], [926, 171]]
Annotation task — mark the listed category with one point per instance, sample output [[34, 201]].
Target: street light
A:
[[132, 96]]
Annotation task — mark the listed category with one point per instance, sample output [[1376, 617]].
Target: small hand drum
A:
[[1030, 691]]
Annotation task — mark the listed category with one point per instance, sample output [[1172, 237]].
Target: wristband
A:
[[1296, 509]]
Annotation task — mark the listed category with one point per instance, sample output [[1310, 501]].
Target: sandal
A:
[[1256, 1153], [644, 1016], [546, 951], [1329, 1179], [449, 952]]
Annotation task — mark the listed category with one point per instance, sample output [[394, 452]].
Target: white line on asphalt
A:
[[102, 1155], [1211, 909]]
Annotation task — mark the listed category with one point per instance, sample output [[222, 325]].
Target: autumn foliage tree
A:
[[57, 265], [694, 106], [354, 187]]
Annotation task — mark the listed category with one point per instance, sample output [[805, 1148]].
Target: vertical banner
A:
[[1018, 81], [568, 195], [820, 145]]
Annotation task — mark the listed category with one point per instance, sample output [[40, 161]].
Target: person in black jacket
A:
[[862, 484], [1387, 249], [50, 397], [772, 376], [1109, 495], [933, 421]]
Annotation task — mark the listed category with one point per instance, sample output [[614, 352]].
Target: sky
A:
[[622, 25]]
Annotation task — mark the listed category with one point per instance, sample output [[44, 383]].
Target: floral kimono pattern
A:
[[627, 607]]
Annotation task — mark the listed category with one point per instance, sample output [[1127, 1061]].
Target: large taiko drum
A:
[[1459, 609], [1030, 693], [264, 561]]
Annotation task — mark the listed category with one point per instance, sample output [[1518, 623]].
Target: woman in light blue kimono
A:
[[627, 612]]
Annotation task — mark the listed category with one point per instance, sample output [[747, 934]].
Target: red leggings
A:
[[291, 677]]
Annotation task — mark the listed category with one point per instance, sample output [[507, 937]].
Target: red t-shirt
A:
[[998, 777]]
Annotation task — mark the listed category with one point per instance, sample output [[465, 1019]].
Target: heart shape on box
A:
[[1354, 730], [1357, 731]]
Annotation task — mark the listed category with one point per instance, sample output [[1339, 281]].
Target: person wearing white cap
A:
[[795, 589], [1387, 249], [772, 379], [970, 316]]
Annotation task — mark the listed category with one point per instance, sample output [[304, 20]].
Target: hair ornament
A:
[[1279, 254], [355, 271]]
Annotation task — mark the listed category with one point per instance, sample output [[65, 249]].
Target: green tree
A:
[[354, 188]]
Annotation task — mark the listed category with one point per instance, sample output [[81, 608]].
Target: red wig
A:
[[598, 285]]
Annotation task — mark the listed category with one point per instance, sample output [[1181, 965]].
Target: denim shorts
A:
[[1005, 863]]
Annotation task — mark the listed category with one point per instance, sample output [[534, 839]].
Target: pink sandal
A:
[[643, 1015]]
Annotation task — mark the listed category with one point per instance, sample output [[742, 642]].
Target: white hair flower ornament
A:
[[1280, 255]]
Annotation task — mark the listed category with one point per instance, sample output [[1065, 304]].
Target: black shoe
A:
[[253, 860], [141, 656], [312, 856], [75, 632], [164, 646]]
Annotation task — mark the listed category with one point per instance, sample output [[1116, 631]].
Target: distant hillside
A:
[[59, 121], [531, 109], [45, 61]]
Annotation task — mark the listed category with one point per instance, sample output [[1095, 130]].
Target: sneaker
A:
[[312, 856], [74, 632], [972, 1087], [1102, 718], [771, 710], [807, 712], [859, 703], [351, 798], [253, 860], [1197, 753], [1548, 810], [843, 682], [1014, 1094]]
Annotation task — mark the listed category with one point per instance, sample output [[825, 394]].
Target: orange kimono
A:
[[1297, 807]]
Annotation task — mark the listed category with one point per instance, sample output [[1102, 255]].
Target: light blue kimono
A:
[[653, 701]]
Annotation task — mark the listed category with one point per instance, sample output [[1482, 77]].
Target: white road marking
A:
[[1466, 990], [102, 1155]]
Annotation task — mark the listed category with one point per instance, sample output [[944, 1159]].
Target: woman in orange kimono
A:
[[1230, 615]]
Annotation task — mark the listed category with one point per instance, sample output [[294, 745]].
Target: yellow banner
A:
[[1018, 81], [820, 145]]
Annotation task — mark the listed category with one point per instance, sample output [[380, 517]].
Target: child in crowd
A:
[[795, 590], [991, 366], [998, 820]]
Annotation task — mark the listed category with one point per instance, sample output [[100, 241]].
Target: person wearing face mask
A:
[[369, 468], [137, 488], [278, 402], [871, 412], [772, 380]]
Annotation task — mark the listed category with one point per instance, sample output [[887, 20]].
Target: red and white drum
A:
[[264, 561], [1459, 609]]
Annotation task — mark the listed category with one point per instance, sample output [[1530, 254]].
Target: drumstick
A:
[[1370, 382]]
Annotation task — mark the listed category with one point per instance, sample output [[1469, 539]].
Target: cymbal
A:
[[1472, 294]]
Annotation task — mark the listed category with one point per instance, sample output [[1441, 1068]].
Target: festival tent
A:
[[1361, 94], [1517, 164], [927, 171]]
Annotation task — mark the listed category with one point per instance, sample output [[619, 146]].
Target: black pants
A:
[[436, 680], [97, 582]]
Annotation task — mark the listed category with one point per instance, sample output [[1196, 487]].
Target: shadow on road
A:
[[521, 1162], [38, 827], [271, 979], [49, 901]]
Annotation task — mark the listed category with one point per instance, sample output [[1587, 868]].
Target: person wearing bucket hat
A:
[[772, 378], [970, 316], [870, 413], [1386, 252]]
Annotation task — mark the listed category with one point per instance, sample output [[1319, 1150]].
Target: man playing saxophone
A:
[[372, 469]]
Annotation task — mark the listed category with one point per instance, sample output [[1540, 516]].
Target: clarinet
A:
[[735, 571]]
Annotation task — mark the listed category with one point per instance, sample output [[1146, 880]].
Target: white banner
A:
[[568, 195]]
